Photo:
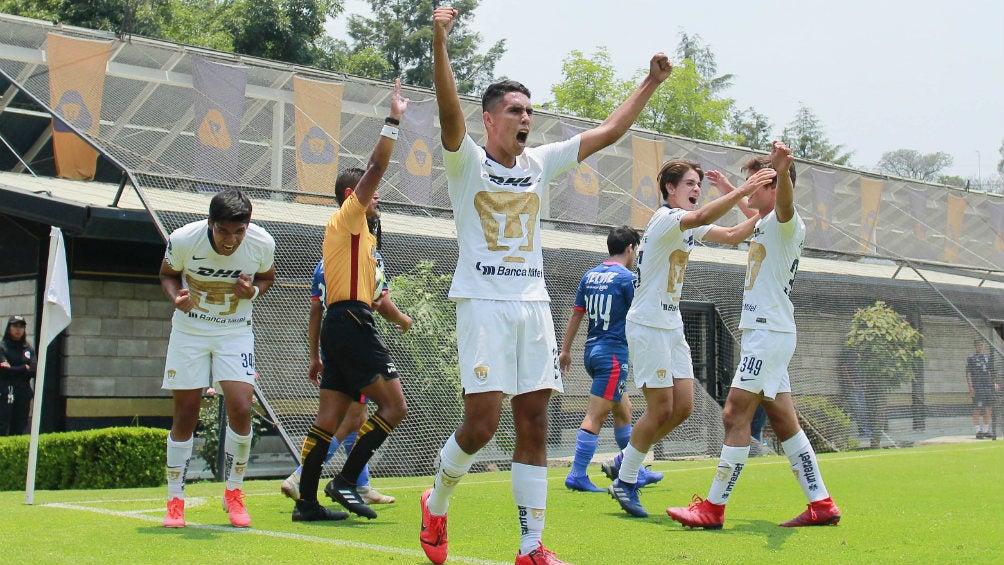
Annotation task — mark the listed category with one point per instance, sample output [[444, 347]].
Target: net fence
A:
[[184, 122]]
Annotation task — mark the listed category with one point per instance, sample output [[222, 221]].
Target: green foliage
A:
[[105, 458], [692, 47], [401, 32], [887, 346], [685, 106], [281, 29], [826, 425], [209, 426], [911, 164], [590, 88], [952, 180], [750, 128], [807, 140]]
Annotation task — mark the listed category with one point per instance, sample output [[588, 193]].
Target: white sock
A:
[[454, 463], [803, 463], [730, 465], [529, 492], [238, 450], [633, 460], [179, 453]]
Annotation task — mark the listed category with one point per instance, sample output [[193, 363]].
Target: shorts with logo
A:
[[354, 355], [609, 368], [198, 361], [763, 362], [658, 355], [507, 346]]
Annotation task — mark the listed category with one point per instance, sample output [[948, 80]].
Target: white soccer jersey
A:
[[497, 214], [210, 277], [661, 263], [770, 271]]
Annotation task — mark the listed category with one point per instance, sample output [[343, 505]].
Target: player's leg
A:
[[608, 369]]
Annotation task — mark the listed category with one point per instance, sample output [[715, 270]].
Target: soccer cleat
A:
[[291, 486], [233, 503], [312, 511], [539, 556], [700, 514], [175, 517], [345, 494], [626, 494], [371, 495], [646, 477], [433, 535], [581, 484], [819, 513], [612, 467]]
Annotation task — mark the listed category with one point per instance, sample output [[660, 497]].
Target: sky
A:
[[880, 75]]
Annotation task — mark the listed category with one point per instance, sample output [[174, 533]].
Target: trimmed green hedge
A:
[[105, 458]]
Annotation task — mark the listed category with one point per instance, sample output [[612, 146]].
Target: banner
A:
[[318, 119], [645, 196], [417, 138], [76, 83], [219, 110], [953, 227], [918, 211], [710, 160], [55, 318], [579, 200], [823, 184], [871, 198]]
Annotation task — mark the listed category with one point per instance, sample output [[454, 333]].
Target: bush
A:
[[106, 458], [826, 425]]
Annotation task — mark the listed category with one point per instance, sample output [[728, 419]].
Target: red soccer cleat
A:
[[540, 556], [819, 513], [433, 535], [175, 517], [233, 503], [700, 514]]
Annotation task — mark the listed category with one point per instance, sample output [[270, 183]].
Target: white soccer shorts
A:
[[197, 361], [658, 355], [507, 345], [763, 362]]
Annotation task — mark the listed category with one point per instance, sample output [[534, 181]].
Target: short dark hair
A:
[[230, 205], [763, 162], [348, 178], [673, 170], [498, 90], [619, 238]]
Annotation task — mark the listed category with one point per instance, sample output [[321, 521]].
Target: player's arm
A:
[[170, 283], [565, 357], [782, 160], [393, 314], [721, 182], [452, 124], [314, 340], [618, 122], [380, 157], [719, 206], [249, 288], [735, 234]]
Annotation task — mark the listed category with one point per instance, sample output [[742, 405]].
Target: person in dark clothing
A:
[[17, 368]]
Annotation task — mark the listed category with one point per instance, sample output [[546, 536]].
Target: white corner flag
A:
[[55, 318]]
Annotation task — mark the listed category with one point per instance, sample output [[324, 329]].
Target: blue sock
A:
[[364, 476], [585, 448], [623, 436]]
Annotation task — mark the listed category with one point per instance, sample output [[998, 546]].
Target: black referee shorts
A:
[[354, 355]]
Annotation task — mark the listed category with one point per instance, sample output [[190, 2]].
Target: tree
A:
[[805, 136], [590, 89], [887, 348], [284, 30], [107, 15], [910, 164], [684, 106], [401, 31], [692, 47], [750, 128], [952, 180]]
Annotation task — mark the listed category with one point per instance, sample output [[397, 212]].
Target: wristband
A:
[[257, 291], [390, 131], [392, 121]]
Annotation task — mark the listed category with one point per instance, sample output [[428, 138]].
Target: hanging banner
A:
[[645, 197], [219, 111], [417, 138], [871, 198], [823, 185], [76, 83], [579, 200], [953, 227], [318, 119]]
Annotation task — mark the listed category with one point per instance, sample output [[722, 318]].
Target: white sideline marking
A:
[[138, 514]]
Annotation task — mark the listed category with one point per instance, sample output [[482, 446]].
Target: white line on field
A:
[[137, 514]]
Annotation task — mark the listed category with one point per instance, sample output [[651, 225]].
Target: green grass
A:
[[938, 504]]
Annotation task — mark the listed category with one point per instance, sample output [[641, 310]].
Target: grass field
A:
[[937, 504]]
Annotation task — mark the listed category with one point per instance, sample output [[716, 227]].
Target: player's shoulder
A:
[[259, 235], [190, 230]]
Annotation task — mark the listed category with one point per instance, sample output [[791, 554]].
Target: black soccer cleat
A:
[[312, 511], [345, 494]]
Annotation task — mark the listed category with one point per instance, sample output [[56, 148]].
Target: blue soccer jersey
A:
[[605, 294]]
